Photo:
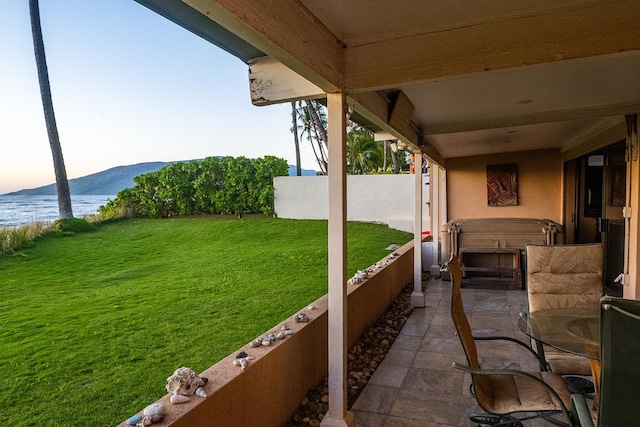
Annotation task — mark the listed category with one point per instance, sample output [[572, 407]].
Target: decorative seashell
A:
[[266, 342], [184, 381], [301, 317], [200, 392], [255, 343], [146, 421], [155, 409], [285, 327], [280, 335], [312, 307], [178, 398]]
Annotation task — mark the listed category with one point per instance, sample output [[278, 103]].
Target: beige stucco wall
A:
[[539, 186]]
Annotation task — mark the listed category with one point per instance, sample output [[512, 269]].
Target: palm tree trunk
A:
[[394, 159], [62, 185], [384, 155], [294, 129], [322, 131]]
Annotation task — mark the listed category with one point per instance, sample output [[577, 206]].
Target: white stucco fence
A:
[[387, 199]]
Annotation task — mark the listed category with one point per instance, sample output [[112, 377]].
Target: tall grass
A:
[[92, 324], [15, 238]]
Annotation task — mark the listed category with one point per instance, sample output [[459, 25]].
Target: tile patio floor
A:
[[415, 385]]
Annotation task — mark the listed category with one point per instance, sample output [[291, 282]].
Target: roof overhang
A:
[[473, 78]]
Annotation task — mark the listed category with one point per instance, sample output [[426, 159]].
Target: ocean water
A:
[[20, 210]]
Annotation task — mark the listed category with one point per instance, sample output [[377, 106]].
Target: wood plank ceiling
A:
[[484, 77]]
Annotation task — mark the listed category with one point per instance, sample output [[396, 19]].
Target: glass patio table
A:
[[573, 330]]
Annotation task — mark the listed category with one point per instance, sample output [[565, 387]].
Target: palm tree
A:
[[296, 141], [62, 185], [314, 125], [364, 154]]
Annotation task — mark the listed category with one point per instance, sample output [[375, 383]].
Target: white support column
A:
[[417, 296], [443, 209], [434, 215], [337, 415], [631, 288]]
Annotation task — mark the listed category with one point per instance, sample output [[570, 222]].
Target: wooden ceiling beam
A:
[[529, 119], [271, 82], [284, 31], [576, 31], [596, 142], [377, 110]]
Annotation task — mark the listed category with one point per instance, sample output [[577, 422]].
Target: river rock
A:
[[155, 409], [178, 398], [133, 420], [365, 357], [157, 418]]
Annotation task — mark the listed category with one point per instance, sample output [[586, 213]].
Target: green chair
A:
[[503, 393], [619, 391]]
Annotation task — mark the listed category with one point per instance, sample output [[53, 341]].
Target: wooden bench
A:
[[488, 272]]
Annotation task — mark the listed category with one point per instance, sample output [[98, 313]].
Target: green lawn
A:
[[92, 324]]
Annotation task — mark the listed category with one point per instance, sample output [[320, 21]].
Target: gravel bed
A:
[[364, 358]]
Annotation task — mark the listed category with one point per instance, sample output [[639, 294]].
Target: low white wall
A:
[[386, 199]]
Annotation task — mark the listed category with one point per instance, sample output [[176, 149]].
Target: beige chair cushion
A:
[[564, 276], [527, 395]]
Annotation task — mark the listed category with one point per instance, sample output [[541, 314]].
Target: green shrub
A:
[[228, 185]]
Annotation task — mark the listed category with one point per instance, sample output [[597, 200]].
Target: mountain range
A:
[[112, 181]]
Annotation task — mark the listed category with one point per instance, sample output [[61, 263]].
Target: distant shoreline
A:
[[18, 210], [112, 181]]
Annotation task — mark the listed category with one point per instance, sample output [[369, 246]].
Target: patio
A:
[[416, 386], [466, 89]]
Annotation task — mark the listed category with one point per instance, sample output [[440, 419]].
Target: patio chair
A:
[[560, 276], [620, 373], [503, 393]]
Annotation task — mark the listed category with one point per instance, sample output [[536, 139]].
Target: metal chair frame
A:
[[477, 372]]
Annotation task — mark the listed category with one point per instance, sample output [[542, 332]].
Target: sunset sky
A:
[[128, 86]]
